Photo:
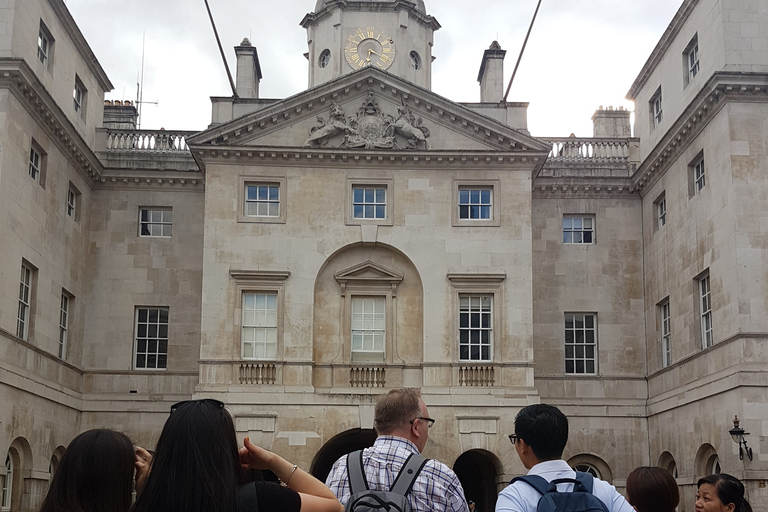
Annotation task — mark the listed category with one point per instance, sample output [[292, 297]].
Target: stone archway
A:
[[339, 445], [478, 471]]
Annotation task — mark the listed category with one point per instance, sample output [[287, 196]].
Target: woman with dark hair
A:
[[721, 493], [652, 489], [95, 474], [197, 467]]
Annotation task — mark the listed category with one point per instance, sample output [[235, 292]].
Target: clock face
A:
[[369, 47]]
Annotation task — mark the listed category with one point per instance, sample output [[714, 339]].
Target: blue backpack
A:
[[580, 499]]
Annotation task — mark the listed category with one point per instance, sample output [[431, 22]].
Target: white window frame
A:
[[354, 184], [368, 328], [160, 217], [666, 333], [468, 285], [661, 211], [691, 60], [493, 187], [73, 202], [79, 97], [45, 46], [35, 164], [476, 307], [254, 324], [258, 282], [7, 489], [574, 357], [369, 202], [475, 203], [159, 354], [26, 295], [64, 312], [657, 112], [282, 204], [577, 228], [705, 310], [699, 176]]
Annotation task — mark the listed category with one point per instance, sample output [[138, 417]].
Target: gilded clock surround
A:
[[369, 47]]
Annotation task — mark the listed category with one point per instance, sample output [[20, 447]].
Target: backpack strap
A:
[[584, 482], [355, 473], [537, 482], [410, 470]]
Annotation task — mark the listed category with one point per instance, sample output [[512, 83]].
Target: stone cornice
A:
[[662, 46], [719, 90], [81, 44], [16, 75], [312, 157], [581, 187], [425, 20]]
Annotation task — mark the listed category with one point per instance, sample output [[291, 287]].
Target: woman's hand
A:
[[255, 457], [143, 463]]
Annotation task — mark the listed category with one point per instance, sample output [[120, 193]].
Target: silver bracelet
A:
[[291, 475]]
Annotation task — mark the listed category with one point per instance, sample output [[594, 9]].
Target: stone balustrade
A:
[[257, 373], [367, 376], [477, 376], [148, 140], [583, 148]]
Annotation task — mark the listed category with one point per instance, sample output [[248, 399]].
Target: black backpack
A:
[[362, 499], [580, 499]]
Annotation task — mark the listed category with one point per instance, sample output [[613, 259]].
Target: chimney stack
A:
[[248, 70], [491, 76], [611, 123]]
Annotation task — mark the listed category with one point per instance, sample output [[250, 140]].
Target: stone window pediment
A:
[[368, 275]]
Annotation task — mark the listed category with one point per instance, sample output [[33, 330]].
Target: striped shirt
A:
[[437, 488]]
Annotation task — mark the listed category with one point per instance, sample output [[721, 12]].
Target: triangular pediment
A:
[[367, 273], [369, 110]]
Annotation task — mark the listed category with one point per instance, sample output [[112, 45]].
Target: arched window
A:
[[587, 468], [325, 58], [5, 504], [667, 461]]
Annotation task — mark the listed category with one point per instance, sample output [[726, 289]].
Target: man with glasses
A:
[[541, 432], [402, 423]]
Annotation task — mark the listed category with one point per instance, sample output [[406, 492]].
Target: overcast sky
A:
[[581, 54]]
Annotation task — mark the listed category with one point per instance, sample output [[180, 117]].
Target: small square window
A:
[[476, 203], [155, 222], [656, 111], [369, 202], [580, 343], [79, 97], [151, 338], [578, 229], [691, 60], [263, 200]]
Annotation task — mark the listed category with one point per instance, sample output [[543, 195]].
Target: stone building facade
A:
[[303, 255]]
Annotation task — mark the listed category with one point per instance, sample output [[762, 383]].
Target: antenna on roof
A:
[[520, 57], [223, 57], [140, 85]]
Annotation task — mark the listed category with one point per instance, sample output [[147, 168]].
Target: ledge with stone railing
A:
[[477, 376], [257, 373], [148, 140], [367, 376], [588, 148]]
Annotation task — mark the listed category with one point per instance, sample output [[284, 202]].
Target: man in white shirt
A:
[[541, 432]]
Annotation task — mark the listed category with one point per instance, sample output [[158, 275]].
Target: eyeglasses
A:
[[212, 401], [430, 421], [513, 438]]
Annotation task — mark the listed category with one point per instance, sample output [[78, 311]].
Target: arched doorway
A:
[[339, 445], [477, 470]]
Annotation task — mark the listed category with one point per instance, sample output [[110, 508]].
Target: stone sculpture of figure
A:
[[407, 126], [337, 123]]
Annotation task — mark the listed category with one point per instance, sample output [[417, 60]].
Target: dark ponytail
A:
[[729, 490]]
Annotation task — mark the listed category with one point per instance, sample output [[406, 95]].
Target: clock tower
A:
[[392, 35]]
